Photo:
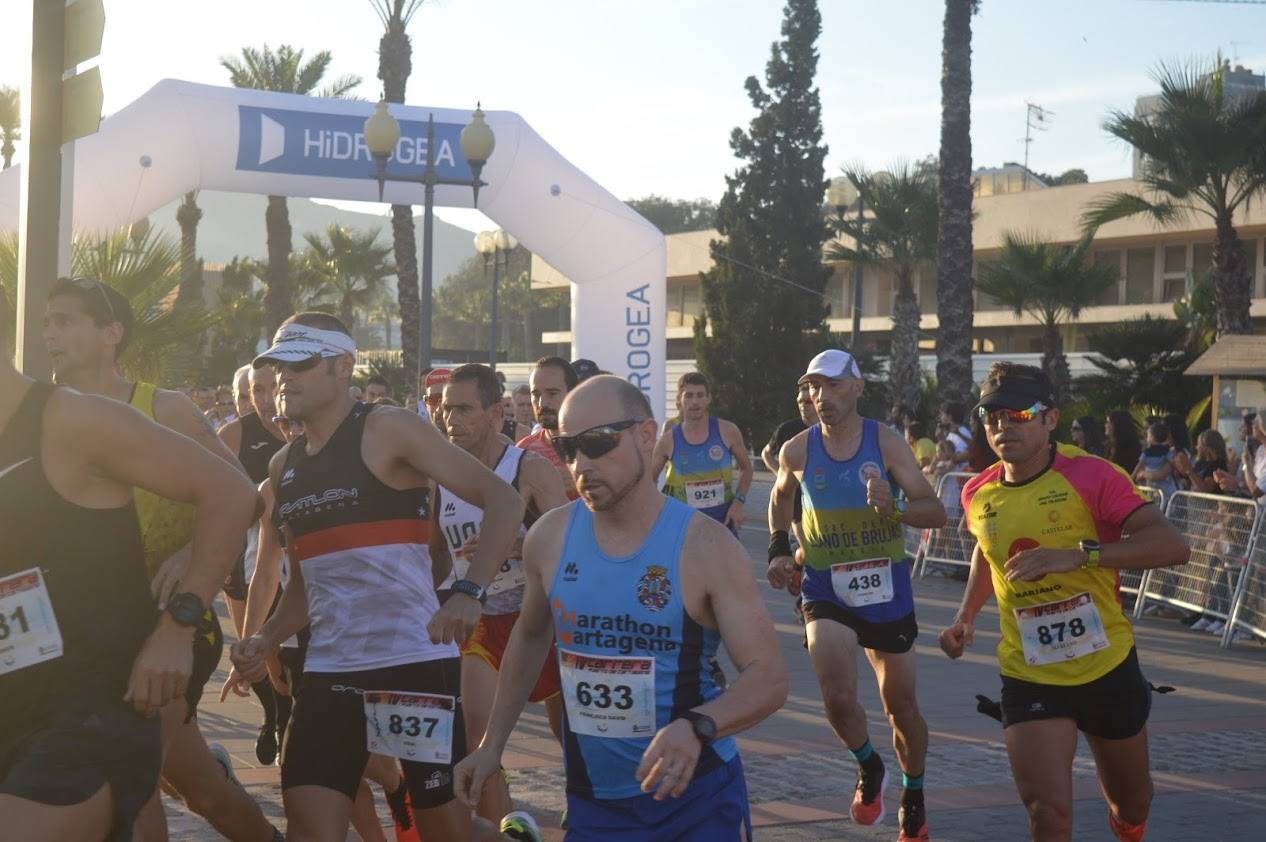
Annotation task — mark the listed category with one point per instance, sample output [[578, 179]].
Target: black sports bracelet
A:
[[779, 544]]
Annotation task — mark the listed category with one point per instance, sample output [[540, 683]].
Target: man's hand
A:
[[468, 549], [473, 772], [879, 496], [734, 516], [956, 638], [235, 682], [250, 658], [161, 670], [456, 619], [1032, 565], [168, 577], [780, 571], [668, 764]]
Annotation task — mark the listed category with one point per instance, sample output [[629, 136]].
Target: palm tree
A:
[[1052, 283], [1202, 153], [352, 267], [10, 122], [395, 63], [899, 235], [953, 236], [146, 270], [188, 215], [283, 71]]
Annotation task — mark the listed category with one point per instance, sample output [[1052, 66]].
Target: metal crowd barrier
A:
[[1222, 532], [1248, 608], [1131, 579], [952, 544]]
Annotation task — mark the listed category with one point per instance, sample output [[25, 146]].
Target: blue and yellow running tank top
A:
[[630, 657], [701, 475], [854, 557]]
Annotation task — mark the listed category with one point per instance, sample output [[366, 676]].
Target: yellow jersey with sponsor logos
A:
[[1066, 628]]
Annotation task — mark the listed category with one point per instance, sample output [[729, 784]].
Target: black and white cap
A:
[[295, 342]]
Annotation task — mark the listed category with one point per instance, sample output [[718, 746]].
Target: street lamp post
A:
[[382, 134], [495, 247]]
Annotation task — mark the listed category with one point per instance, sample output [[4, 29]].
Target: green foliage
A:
[[1197, 310], [1202, 154], [756, 333], [1141, 363], [463, 307], [350, 269], [283, 70], [145, 271], [394, 373], [10, 122], [1051, 282], [672, 216], [235, 338]]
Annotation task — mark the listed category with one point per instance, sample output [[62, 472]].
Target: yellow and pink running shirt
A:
[[1066, 628]]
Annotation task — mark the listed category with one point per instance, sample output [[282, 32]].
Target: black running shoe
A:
[[912, 818], [266, 744], [868, 801], [398, 801]]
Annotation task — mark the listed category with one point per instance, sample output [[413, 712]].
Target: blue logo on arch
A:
[[278, 140]]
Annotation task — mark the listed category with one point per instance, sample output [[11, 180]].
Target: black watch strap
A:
[[705, 727], [472, 590]]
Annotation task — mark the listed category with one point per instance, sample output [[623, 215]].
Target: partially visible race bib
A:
[[509, 576], [608, 696], [705, 493], [1060, 631], [28, 626], [410, 726], [861, 583]]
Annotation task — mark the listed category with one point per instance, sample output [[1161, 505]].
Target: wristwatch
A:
[[186, 609], [1092, 550], [899, 506], [704, 726], [742, 498], [471, 590]]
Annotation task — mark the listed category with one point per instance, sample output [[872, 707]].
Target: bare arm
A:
[[745, 626], [923, 508], [1150, 541], [441, 558], [975, 595], [267, 577], [178, 412], [733, 439], [231, 435], [782, 498], [770, 459], [541, 485], [663, 452]]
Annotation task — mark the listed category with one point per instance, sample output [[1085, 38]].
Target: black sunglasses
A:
[[298, 366], [89, 283], [594, 442]]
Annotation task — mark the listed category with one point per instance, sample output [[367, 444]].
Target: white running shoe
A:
[[221, 755], [1201, 624], [1216, 627]]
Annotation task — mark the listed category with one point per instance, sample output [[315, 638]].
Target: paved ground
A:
[[1208, 741]]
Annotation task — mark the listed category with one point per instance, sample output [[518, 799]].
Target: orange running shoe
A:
[[1125, 831], [868, 799], [913, 822]]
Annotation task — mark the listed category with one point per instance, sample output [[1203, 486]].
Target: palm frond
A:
[[1116, 206]]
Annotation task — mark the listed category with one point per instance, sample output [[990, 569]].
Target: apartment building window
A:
[[691, 304], [1109, 257], [1175, 273], [1140, 268]]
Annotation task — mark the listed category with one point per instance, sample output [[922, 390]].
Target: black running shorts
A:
[[74, 754], [326, 742], [895, 637], [1113, 707]]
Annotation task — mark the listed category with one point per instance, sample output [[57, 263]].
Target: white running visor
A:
[[295, 342]]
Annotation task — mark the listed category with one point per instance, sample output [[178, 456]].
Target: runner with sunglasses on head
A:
[[856, 585], [701, 453], [637, 592], [433, 395], [351, 495], [472, 416], [1049, 521], [87, 327]]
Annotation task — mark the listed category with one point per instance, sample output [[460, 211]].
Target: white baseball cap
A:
[[832, 364], [294, 342]]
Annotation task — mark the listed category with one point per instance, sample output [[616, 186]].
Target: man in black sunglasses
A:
[[637, 590], [352, 496], [87, 327]]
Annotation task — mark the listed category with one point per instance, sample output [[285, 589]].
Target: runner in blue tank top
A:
[[638, 592], [856, 584], [701, 452]]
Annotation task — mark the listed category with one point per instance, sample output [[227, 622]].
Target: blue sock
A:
[[861, 755], [911, 782]]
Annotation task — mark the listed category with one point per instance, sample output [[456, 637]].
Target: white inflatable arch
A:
[[181, 136]]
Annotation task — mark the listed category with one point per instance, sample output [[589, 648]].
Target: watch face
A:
[[706, 728]]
